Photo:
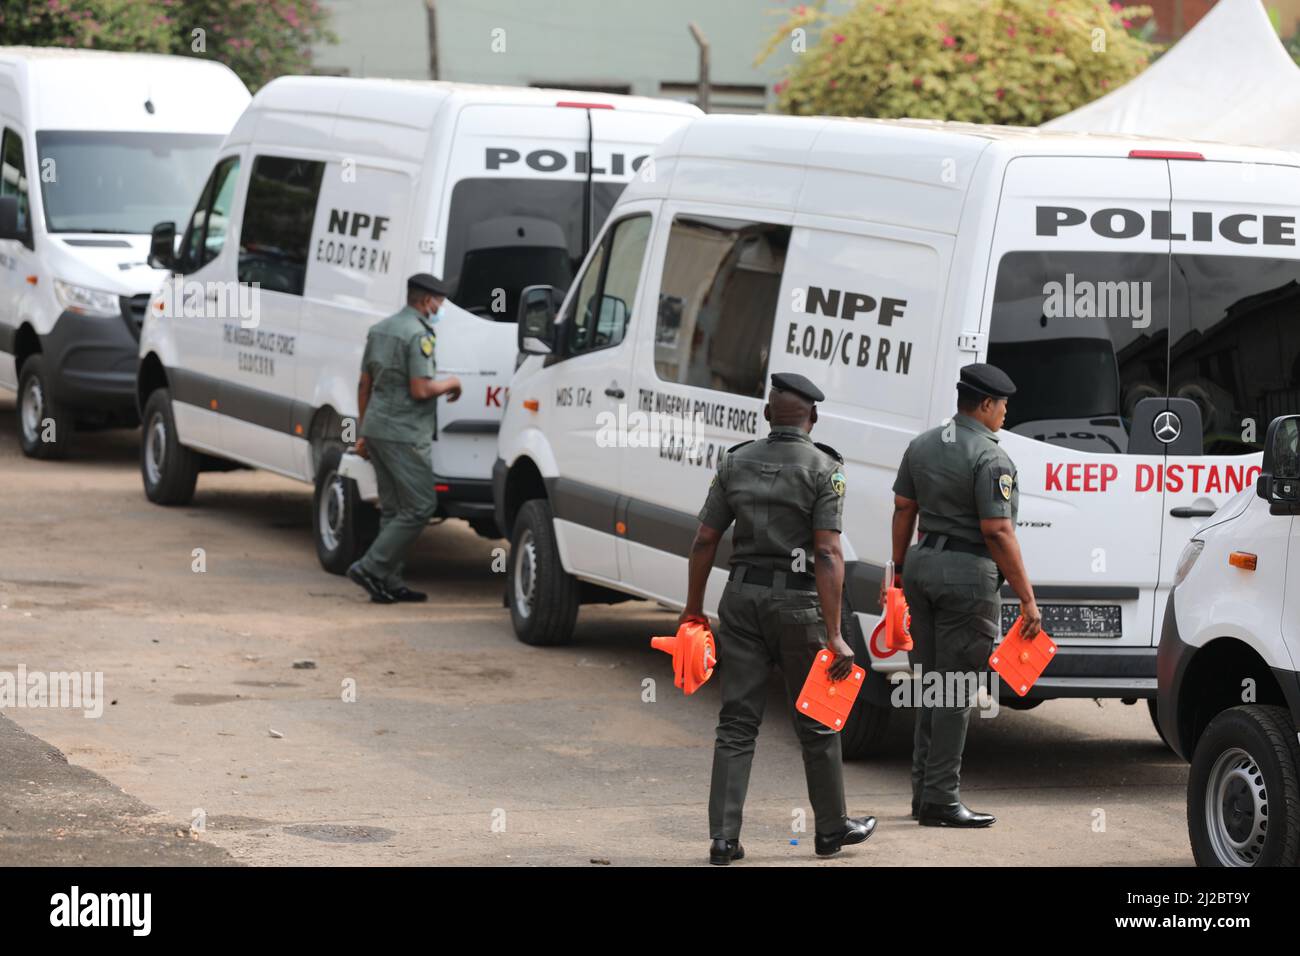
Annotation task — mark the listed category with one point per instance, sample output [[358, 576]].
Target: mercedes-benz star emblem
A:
[[1167, 427]]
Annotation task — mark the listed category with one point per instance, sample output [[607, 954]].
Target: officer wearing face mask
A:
[[397, 399]]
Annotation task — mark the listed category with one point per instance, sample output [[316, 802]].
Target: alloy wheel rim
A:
[[155, 449], [525, 576], [333, 510], [33, 410]]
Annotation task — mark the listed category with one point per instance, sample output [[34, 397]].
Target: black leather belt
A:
[[767, 577], [943, 542]]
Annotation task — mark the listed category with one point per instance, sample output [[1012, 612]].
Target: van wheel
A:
[[343, 525], [543, 596], [1243, 792], [863, 735], [1155, 720], [168, 468], [44, 428]]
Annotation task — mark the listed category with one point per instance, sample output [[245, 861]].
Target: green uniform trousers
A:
[[761, 626], [954, 604], [407, 500]]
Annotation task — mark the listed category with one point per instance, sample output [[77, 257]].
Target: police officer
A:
[[785, 494], [397, 397], [962, 485]]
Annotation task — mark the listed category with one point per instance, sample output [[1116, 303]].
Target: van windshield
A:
[[505, 234], [116, 182]]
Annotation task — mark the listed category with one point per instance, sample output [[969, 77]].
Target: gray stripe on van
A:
[[240, 402]]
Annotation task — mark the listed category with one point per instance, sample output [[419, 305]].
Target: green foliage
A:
[[258, 39], [1018, 62]]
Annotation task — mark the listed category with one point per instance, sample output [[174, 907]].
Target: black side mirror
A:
[[9, 219], [1279, 479], [162, 246], [537, 332]]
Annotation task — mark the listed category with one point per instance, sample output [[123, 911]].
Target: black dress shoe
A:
[[722, 852], [856, 830], [916, 809], [953, 815], [406, 594], [374, 587]]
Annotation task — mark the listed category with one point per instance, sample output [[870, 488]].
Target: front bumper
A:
[[92, 363]]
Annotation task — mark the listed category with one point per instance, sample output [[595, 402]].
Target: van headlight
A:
[[83, 301], [1188, 558]]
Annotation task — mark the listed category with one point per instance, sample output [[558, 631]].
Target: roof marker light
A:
[[574, 104], [1163, 154]]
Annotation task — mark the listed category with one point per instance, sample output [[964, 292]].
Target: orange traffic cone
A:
[[694, 654], [898, 622]]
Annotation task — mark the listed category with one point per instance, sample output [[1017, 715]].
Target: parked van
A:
[[96, 148], [1229, 665], [325, 197], [1138, 292]]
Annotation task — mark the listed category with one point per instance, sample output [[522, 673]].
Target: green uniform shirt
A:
[[958, 474], [398, 349], [778, 490]]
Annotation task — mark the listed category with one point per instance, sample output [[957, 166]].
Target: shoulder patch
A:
[[830, 451], [426, 344], [838, 483], [1005, 484]]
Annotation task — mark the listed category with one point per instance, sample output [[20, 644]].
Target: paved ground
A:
[[462, 745]]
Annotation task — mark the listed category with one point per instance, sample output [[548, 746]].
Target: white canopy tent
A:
[[1228, 80]]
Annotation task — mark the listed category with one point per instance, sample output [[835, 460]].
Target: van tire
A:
[[542, 596], [36, 407], [1247, 762], [342, 525], [168, 469], [863, 735]]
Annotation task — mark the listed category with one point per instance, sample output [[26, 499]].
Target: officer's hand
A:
[[691, 615], [361, 449], [1033, 622], [453, 391], [842, 666]]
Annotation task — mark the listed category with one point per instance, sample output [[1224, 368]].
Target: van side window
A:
[[607, 291], [14, 179], [717, 303], [278, 215], [206, 234]]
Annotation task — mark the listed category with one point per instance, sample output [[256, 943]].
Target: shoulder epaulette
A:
[[741, 445], [830, 451]]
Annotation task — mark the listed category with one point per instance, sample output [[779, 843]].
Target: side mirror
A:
[[537, 330], [162, 246], [1279, 479], [9, 218]]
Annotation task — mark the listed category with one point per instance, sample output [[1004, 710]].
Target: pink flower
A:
[[1011, 31], [916, 82], [949, 41], [1126, 23], [970, 57], [1001, 93], [839, 38], [835, 84]]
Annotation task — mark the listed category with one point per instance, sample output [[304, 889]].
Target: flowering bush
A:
[[258, 39], [983, 61]]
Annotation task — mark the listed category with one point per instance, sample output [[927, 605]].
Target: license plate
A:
[[1070, 620]]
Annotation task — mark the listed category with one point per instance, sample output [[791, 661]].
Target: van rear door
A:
[[1076, 312], [528, 191], [1234, 340]]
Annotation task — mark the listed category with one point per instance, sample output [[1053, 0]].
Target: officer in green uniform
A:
[[962, 486], [397, 397], [785, 495]]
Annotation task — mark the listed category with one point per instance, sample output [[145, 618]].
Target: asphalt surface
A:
[[429, 734]]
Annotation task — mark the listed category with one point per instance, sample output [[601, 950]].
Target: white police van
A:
[[1229, 668], [1137, 292], [325, 197], [96, 148]]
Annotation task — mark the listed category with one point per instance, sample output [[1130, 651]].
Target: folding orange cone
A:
[[694, 654]]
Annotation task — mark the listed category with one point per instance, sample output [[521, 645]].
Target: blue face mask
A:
[[438, 313]]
